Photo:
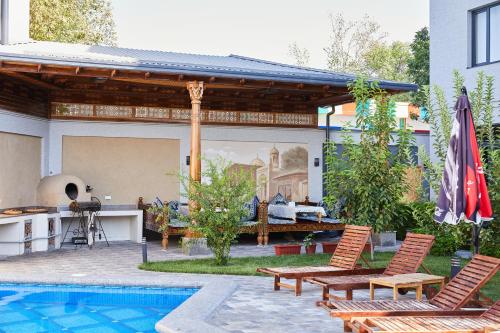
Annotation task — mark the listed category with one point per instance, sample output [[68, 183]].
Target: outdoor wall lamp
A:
[[188, 160], [316, 161]]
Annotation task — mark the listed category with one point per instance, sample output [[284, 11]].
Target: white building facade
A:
[[465, 36]]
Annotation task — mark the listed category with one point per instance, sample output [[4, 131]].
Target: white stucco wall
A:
[[52, 132], [27, 125], [313, 137], [450, 36]]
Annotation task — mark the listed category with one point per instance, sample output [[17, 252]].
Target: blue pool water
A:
[[34, 308]]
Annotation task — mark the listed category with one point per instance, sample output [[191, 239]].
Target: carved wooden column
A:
[[195, 89]]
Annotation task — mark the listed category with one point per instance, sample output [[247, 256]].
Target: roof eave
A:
[[239, 74]]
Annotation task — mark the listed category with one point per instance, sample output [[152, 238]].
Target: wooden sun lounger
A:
[[447, 302], [407, 259], [460, 324], [343, 261]]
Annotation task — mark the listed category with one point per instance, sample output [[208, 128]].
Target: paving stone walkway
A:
[[254, 306]]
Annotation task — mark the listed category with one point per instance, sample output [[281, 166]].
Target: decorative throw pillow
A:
[[335, 210], [328, 211], [278, 199], [173, 209], [174, 204], [252, 207]]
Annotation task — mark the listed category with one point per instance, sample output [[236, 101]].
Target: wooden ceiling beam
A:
[[162, 78], [29, 79]]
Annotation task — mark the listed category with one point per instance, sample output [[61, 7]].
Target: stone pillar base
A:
[[194, 246]]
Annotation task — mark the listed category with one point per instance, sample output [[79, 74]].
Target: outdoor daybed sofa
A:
[[263, 223]]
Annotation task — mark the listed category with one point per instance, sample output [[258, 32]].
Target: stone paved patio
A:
[[253, 307]]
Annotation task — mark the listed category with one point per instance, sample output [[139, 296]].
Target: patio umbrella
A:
[[463, 194]]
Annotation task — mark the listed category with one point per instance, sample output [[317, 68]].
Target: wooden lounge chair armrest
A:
[[265, 271], [357, 325]]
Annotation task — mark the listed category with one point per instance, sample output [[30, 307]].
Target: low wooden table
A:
[[413, 281]]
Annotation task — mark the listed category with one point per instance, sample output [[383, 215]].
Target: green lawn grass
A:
[[248, 265]]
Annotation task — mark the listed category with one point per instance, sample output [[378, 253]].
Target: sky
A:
[[257, 28]]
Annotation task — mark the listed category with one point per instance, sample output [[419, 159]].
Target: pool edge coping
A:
[[192, 314]]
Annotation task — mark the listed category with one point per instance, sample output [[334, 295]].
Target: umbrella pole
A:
[[476, 229]]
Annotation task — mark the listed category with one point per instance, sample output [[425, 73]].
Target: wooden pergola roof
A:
[[68, 75]]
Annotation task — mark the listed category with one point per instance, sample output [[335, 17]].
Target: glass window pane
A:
[[480, 37], [495, 33]]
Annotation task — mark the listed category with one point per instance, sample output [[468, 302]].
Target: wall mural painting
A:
[[276, 167]]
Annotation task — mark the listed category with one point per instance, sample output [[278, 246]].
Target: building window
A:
[[486, 35]]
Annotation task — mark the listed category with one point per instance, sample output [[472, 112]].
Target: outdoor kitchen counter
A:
[[119, 224], [29, 232]]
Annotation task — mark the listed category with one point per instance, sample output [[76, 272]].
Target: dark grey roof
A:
[[232, 66]]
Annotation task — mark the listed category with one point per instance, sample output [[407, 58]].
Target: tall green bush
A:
[[490, 237], [441, 115], [366, 176], [220, 200]]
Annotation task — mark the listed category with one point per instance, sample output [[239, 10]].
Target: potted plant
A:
[[287, 249], [309, 244], [161, 216]]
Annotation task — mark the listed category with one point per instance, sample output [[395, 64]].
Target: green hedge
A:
[[418, 217]]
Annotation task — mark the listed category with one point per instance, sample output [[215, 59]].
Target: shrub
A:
[[490, 236], [419, 217], [367, 177], [220, 200], [423, 217]]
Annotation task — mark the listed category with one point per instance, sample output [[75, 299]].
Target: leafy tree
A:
[[388, 61], [366, 176], [418, 64], [359, 46], [220, 200], [349, 41], [300, 54], [72, 21]]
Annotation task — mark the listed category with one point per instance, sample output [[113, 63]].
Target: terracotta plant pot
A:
[[287, 249], [311, 249], [329, 247]]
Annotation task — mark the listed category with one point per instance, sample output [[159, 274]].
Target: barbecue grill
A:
[[88, 223]]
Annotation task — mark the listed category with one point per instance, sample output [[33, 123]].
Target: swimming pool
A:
[[85, 309]]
